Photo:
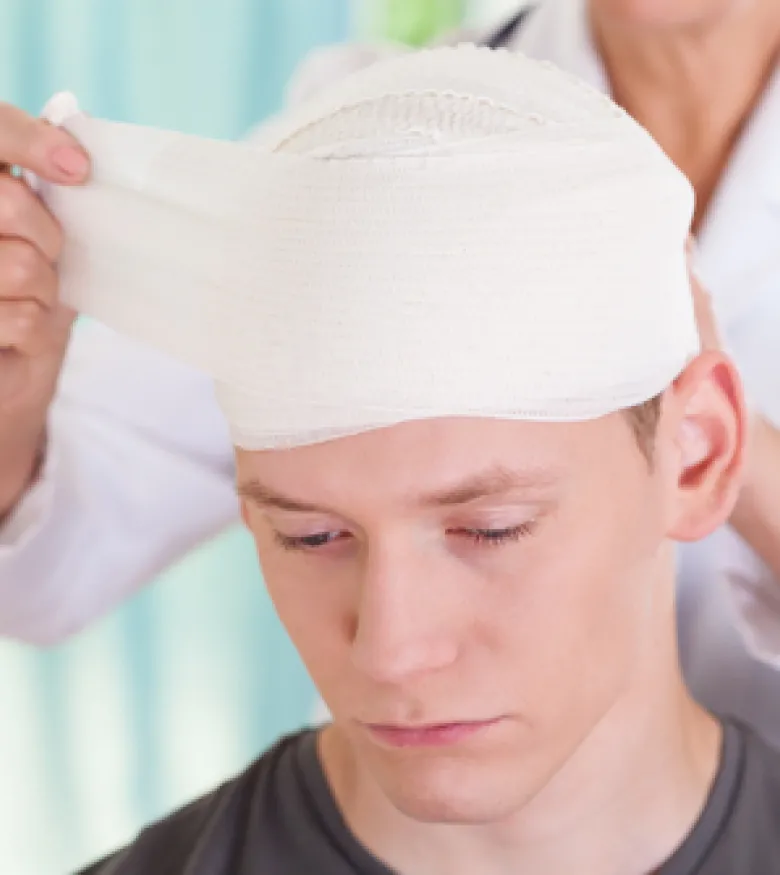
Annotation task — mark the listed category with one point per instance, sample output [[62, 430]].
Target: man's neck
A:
[[620, 806], [692, 87]]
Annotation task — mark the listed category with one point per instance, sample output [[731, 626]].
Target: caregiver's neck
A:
[[692, 80]]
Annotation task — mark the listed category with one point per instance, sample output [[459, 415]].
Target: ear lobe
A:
[[244, 512], [710, 438]]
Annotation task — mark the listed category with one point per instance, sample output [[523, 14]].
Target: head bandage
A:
[[457, 232]]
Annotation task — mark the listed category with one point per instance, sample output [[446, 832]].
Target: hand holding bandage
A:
[[34, 326]]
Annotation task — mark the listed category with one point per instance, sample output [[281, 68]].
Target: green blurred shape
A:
[[417, 22]]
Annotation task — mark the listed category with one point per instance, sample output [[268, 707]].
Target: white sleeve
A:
[[139, 470], [754, 593], [755, 596], [752, 585]]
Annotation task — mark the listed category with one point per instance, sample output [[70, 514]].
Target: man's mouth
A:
[[429, 735]]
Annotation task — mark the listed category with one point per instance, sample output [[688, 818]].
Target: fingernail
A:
[[70, 161]]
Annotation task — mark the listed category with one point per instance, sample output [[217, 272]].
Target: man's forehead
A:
[[434, 463], [493, 482]]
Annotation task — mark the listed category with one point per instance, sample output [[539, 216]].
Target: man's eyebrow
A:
[[256, 492], [495, 481]]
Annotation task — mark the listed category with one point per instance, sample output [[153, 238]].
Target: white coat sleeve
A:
[[755, 596], [753, 586], [139, 471]]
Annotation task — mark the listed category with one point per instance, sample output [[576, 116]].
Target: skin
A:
[[692, 72], [34, 326], [451, 571]]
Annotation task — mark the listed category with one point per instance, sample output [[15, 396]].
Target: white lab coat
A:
[[140, 467]]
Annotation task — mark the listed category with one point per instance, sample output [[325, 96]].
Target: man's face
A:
[[469, 596]]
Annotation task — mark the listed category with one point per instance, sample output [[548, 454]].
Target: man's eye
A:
[[309, 542], [495, 537]]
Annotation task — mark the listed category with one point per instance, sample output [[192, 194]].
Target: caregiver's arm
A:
[[132, 464], [138, 471], [750, 564], [34, 327], [756, 517], [757, 514]]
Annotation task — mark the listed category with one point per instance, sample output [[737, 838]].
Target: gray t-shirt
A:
[[279, 818]]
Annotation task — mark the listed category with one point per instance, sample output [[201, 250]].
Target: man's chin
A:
[[430, 787], [481, 779], [447, 799]]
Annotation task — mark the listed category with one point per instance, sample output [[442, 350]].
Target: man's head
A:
[[472, 280], [473, 550], [478, 565], [457, 570]]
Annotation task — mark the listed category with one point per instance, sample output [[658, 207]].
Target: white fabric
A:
[[458, 232], [140, 472], [122, 412]]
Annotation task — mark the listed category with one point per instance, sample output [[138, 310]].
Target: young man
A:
[[700, 75], [472, 424]]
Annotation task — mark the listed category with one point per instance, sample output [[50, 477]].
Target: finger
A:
[[697, 288], [704, 314], [28, 329], [23, 215], [700, 297], [20, 323], [48, 151], [25, 275], [59, 323]]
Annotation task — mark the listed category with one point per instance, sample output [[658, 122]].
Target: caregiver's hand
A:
[[34, 326]]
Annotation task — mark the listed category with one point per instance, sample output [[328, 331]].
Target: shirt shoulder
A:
[[751, 838], [738, 832], [209, 836]]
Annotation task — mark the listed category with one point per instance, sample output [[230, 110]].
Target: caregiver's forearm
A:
[[757, 514]]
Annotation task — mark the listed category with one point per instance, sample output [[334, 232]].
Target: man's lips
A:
[[429, 735]]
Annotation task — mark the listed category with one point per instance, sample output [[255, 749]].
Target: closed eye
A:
[[481, 537], [494, 537], [309, 542]]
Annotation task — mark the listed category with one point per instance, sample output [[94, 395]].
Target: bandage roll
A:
[[452, 233]]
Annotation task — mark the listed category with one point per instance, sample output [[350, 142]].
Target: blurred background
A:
[[193, 678]]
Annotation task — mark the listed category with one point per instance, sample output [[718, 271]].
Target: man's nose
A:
[[407, 622]]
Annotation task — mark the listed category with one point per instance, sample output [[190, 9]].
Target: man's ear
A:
[[708, 420]]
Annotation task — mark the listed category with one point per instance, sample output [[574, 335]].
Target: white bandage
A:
[[457, 232]]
